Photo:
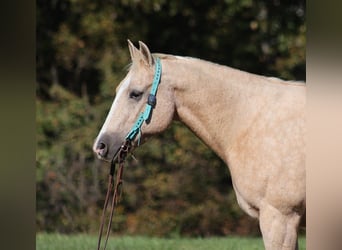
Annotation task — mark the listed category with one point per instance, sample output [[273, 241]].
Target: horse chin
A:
[[123, 151], [106, 158], [115, 158], [110, 157]]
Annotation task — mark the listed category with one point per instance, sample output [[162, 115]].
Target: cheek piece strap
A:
[[151, 103]]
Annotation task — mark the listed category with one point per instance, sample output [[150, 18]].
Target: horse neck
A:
[[210, 100]]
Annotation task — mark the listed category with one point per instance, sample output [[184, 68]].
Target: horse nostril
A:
[[101, 149]]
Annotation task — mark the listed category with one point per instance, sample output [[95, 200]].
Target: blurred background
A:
[[177, 186]]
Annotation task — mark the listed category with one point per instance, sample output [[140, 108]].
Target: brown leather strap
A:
[[116, 194], [109, 190], [115, 199]]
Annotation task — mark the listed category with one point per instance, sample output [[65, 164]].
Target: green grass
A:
[[84, 242]]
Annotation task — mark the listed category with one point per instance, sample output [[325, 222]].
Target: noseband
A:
[[124, 150]]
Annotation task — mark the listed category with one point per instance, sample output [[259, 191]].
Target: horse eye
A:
[[136, 95]]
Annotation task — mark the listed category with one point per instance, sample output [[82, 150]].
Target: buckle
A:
[[152, 100]]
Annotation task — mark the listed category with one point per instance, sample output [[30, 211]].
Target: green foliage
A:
[[177, 186]]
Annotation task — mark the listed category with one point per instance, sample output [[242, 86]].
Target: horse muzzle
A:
[[106, 146], [106, 152]]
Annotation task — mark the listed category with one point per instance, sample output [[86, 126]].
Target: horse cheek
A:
[[163, 116]]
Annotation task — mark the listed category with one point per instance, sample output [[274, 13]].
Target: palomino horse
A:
[[256, 124]]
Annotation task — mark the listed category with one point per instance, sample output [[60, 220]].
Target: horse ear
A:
[[146, 54], [132, 50]]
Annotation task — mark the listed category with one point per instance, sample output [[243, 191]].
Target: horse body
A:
[[254, 123]]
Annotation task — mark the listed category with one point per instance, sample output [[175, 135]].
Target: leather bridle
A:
[[115, 189]]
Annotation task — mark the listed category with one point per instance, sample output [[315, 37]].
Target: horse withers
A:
[[256, 124]]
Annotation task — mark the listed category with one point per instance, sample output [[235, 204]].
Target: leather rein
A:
[[115, 189], [115, 193]]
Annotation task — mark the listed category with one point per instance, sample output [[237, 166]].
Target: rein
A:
[[123, 152], [116, 193]]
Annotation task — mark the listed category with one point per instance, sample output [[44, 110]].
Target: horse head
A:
[[132, 95]]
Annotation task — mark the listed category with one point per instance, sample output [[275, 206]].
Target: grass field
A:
[[85, 242]]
